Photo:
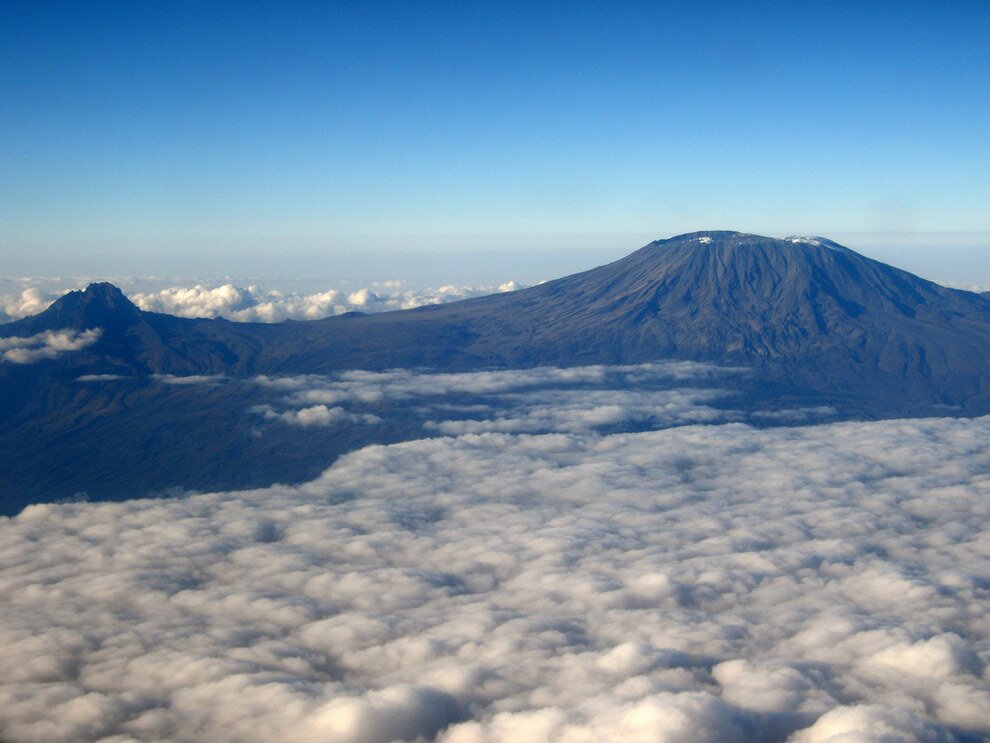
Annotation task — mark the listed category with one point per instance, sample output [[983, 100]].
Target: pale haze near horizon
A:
[[957, 259]]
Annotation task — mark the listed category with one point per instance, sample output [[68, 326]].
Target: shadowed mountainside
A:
[[816, 322]]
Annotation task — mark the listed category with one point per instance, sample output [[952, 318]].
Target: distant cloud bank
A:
[[253, 304], [703, 583], [30, 301]]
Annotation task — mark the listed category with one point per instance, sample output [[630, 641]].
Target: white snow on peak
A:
[[818, 242], [805, 240], [704, 240]]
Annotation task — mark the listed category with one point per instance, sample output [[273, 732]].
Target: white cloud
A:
[[249, 303], [539, 400], [872, 724], [578, 411], [316, 415], [702, 583], [47, 345], [257, 305], [189, 378], [30, 301]]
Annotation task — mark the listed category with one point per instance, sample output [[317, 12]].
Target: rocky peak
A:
[[99, 305]]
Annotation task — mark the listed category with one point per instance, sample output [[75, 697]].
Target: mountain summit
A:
[[732, 296], [100, 305]]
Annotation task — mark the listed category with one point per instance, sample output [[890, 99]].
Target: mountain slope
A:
[[816, 323], [802, 311]]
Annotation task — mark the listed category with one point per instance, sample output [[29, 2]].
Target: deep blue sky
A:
[[235, 129]]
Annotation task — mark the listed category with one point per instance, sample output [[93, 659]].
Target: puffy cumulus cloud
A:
[[30, 301], [701, 583], [258, 305], [661, 718], [872, 724], [403, 712], [47, 345], [539, 400], [251, 303]]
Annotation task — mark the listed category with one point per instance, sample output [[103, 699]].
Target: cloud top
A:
[[254, 304], [702, 583], [30, 301]]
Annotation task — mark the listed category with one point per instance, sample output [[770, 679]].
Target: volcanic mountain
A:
[[804, 311], [813, 321]]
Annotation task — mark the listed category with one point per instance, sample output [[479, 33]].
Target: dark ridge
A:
[[99, 305]]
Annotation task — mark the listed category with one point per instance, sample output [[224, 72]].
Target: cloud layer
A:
[[703, 583], [538, 400], [47, 345], [254, 304], [29, 301]]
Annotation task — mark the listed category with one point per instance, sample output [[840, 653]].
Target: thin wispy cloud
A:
[[46, 345], [579, 411], [186, 379], [316, 415], [538, 400]]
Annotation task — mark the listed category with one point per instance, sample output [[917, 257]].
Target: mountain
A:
[[102, 305], [803, 311], [815, 322]]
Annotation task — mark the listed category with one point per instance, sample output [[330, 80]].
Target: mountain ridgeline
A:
[[802, 311], [813, 322]]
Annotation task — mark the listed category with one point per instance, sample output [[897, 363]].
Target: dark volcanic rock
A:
[[101, 305], [816, 322]]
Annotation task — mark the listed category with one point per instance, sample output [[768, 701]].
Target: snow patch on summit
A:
[[805, 240]]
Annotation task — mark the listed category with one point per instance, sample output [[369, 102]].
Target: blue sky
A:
[[226, 131]]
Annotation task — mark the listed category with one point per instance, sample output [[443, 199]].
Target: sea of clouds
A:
[[251, 303], [700, 583]]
